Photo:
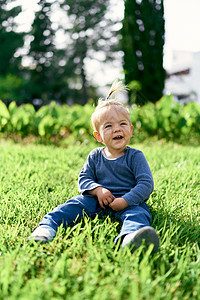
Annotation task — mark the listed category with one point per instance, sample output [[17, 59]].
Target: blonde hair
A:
[[104, 104]]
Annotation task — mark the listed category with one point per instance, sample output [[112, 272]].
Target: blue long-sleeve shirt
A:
[[127, 176]]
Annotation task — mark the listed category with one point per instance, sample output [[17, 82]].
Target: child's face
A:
[[115, 129]]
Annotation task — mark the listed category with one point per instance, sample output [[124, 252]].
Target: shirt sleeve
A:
[[144, 180], [87, 178]]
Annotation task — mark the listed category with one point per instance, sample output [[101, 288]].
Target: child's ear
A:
[[97, 136], [131, 130]]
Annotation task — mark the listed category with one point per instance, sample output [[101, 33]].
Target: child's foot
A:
[[42, 234], [147, 233]]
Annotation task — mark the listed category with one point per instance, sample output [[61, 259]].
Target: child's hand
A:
[[118, 204], [105, 197]]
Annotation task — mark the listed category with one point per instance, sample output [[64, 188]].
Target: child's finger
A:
[[101, 204], [110, 200], [111, 205]]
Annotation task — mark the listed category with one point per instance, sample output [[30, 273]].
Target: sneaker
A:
[[147, 233], [42, 234]]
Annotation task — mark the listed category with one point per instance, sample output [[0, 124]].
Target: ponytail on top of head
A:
[[103, 103], [117, 86]]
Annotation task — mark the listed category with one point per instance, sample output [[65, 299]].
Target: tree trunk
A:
[[84, 85]]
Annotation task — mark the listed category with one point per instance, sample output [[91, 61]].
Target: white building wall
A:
[[189, 84], [195, 76]]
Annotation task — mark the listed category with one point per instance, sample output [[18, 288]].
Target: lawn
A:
[[83, 263]]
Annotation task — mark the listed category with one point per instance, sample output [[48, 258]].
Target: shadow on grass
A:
[[177, 231]]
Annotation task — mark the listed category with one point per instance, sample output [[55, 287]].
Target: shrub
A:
[[166, 119]]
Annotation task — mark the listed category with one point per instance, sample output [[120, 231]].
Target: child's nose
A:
[[116, 128]]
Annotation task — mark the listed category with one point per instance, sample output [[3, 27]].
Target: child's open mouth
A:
[[119, 137]]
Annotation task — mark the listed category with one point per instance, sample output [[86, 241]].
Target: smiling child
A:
[[115, 180]]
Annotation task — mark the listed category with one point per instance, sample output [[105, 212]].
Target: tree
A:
[[42, 51], [142, 43], [91, 33], [10, 40]]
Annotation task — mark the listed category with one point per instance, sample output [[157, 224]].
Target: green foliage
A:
[[42, 49], [49, 121], [60, 120], [83, 263], [22, 119], [91, 33], [142, 43], [167, 119], [4, 115], [11, 87], [56, 69], [10, 40]]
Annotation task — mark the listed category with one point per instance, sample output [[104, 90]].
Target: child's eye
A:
[[108, 126], [123, 123]]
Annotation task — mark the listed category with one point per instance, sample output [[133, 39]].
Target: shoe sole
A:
[[148, 234], [38, 239]]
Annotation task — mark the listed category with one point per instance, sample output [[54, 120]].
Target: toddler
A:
[[115, 179]]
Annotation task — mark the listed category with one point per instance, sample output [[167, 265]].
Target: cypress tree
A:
[[142, 43]]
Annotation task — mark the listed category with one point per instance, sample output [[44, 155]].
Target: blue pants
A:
[[132, 217]]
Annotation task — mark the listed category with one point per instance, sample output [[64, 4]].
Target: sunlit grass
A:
[[83, 263]]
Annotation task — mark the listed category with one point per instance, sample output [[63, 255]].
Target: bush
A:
[[49, 121], [167, 119]]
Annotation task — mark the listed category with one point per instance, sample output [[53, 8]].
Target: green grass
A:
[[83, 263]]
